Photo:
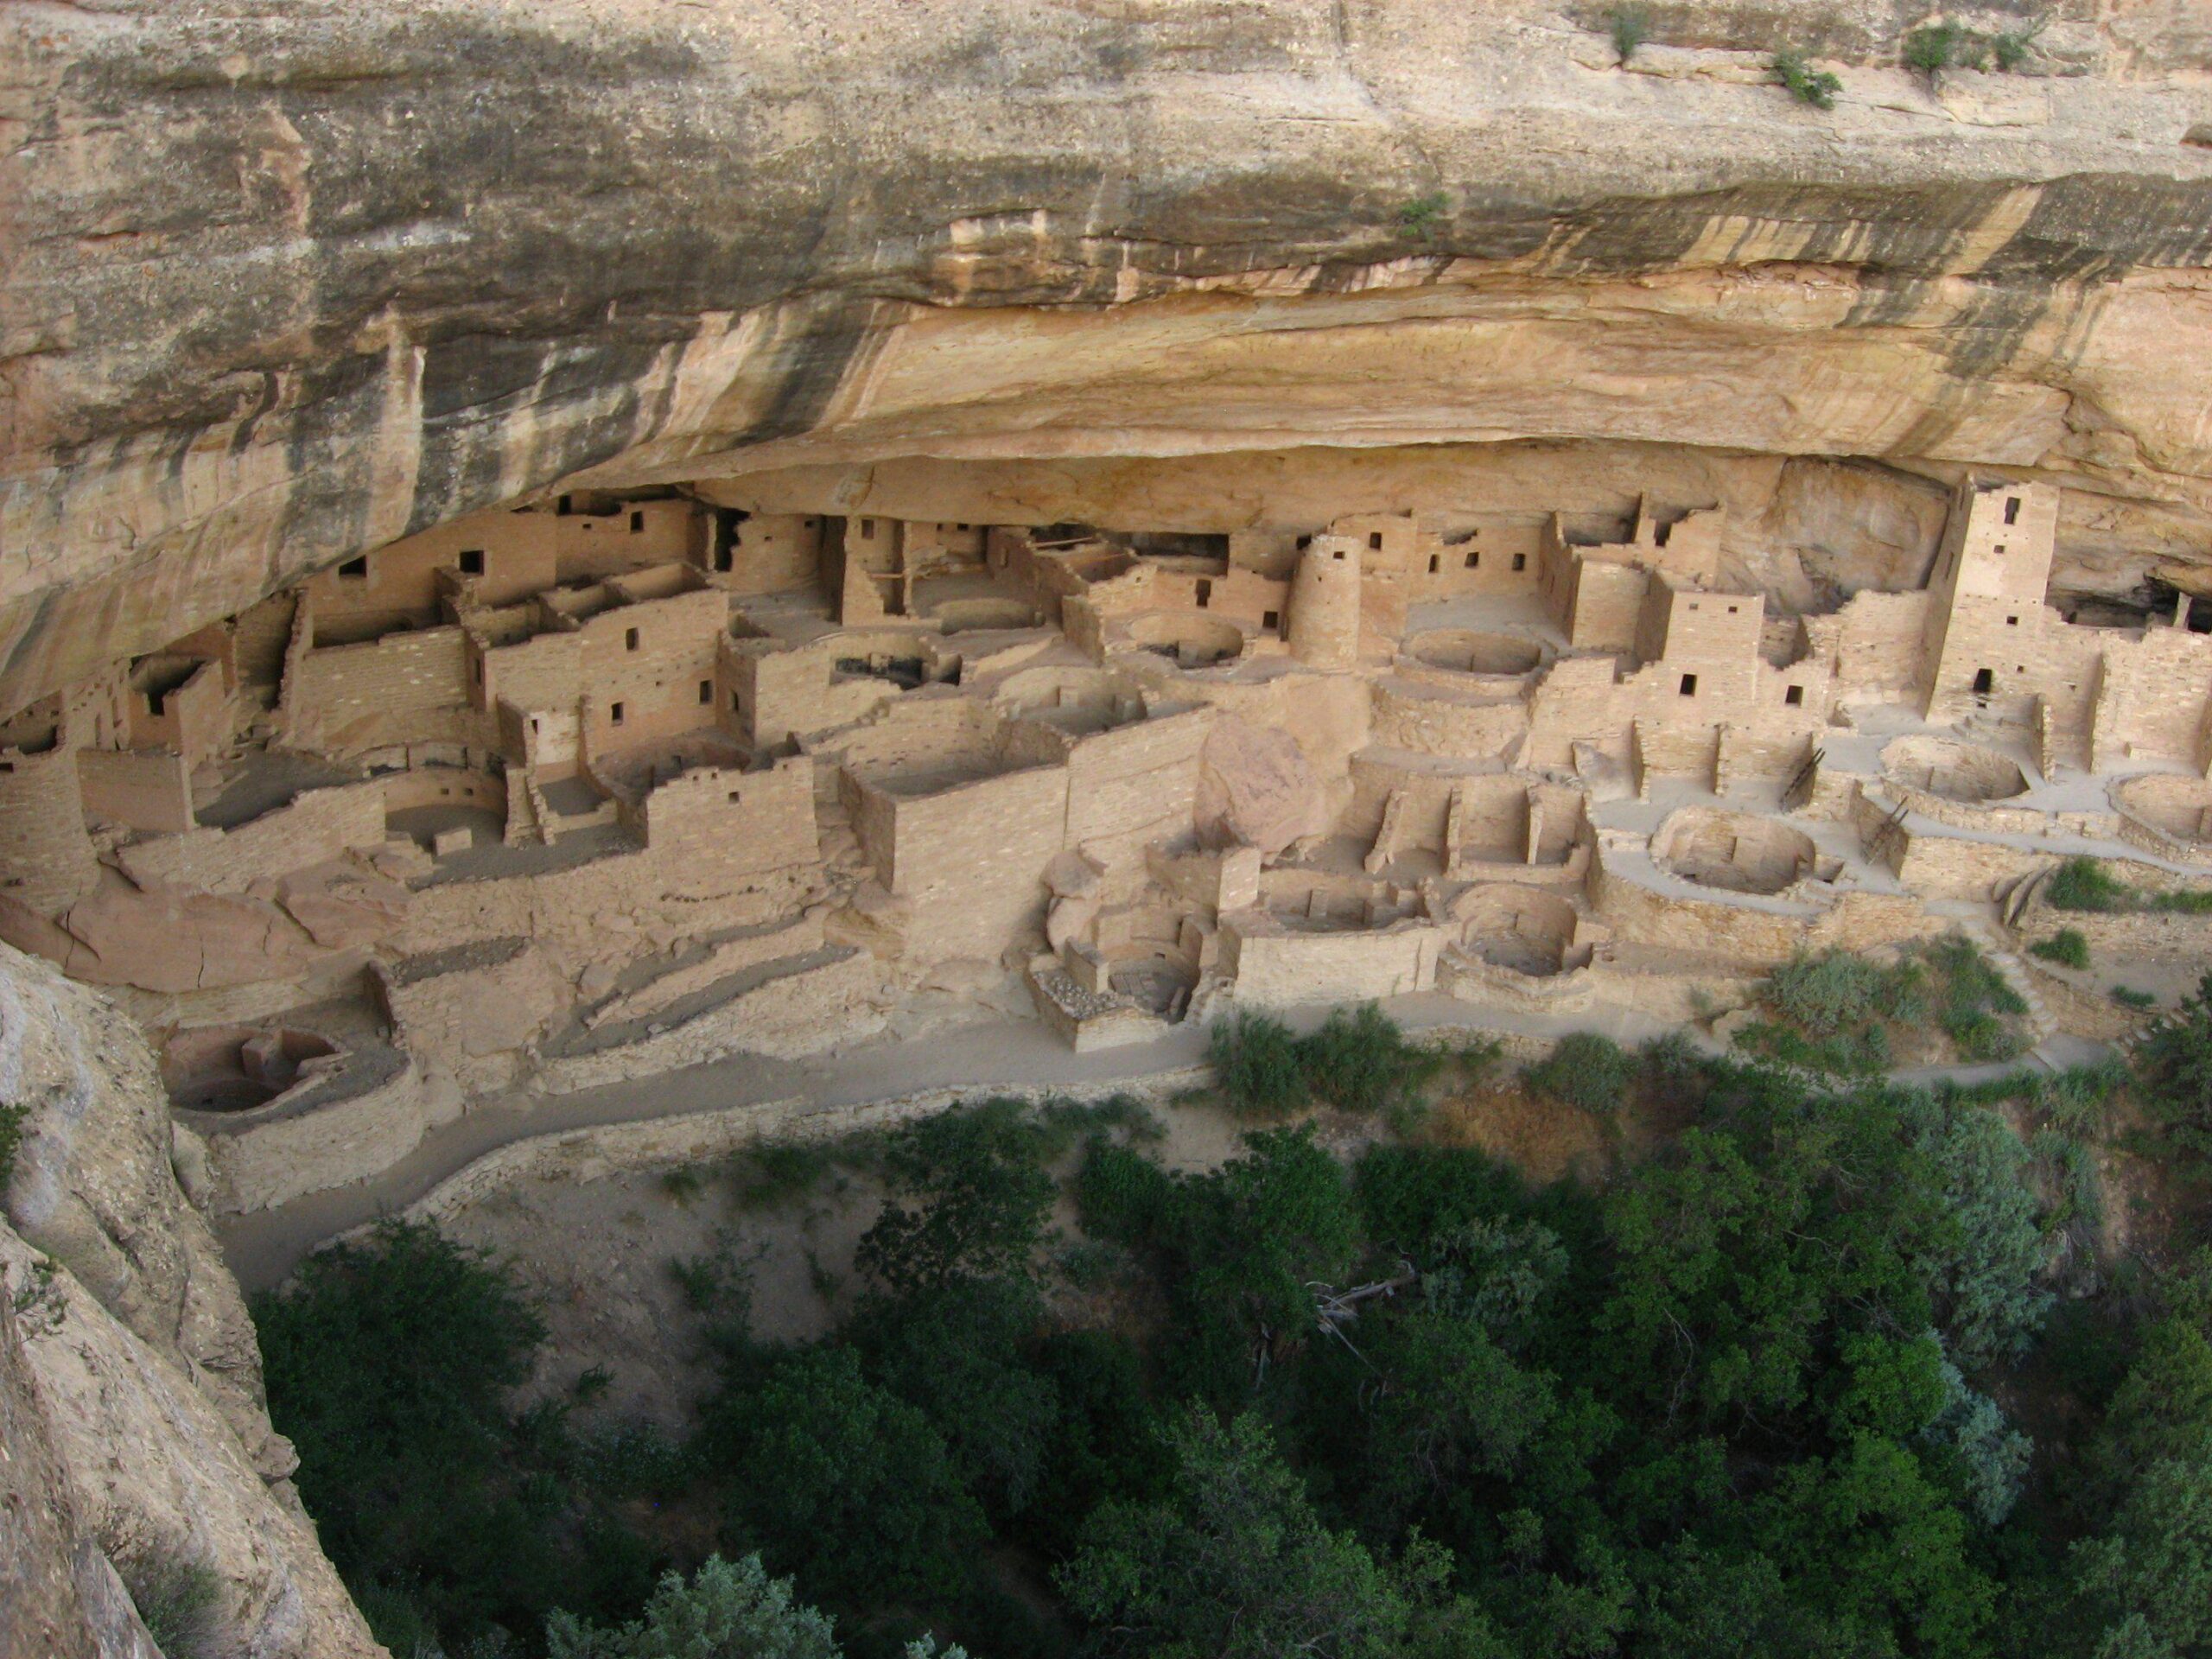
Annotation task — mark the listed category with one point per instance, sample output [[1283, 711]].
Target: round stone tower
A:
[[1324, 603]]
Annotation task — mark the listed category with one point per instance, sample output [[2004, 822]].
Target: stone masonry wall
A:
[[315, 828]]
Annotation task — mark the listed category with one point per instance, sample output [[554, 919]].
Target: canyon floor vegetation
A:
[[1835, 1366]]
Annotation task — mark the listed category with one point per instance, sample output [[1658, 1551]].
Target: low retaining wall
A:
[[800, 1014], [264, 1164], [593, 1154]]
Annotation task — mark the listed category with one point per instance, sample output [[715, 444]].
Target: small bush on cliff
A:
[[178, 1599], [1632, 27], [1804, 83], [1419, 217], [1936, 48], [12, 1114]]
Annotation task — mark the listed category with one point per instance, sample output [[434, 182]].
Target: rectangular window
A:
[[2011, 621], [1474, 561], [1435, 562], [737, 705], [355, 569], [614, 712], [1338, 554], [629, 640], [1375, 540], [1519, 561], [1205, 592], [1984, 681], [2011, 509], [1270, 619], [733, 797], [1795, 696], [1689, 685], [707, 692], [472, 561], [636, 523], [1998, 550], [1732, 610]]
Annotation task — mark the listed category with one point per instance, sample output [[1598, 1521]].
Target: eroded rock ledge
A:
[[291, 281]]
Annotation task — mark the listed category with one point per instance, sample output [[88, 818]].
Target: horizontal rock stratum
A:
[[286, 280]]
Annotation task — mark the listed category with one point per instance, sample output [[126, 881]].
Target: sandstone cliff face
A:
[[287, 280], [128, 1370]]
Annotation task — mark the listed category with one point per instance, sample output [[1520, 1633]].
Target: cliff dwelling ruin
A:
[[607, 784]]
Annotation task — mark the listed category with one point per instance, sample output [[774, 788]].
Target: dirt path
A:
[[263, 1247]]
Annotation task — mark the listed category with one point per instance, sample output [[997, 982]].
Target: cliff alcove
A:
[[549, 549]]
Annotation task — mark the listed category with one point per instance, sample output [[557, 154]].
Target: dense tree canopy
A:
[[1796, 1383]]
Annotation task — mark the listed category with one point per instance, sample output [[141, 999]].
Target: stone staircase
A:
[[1976, 925]]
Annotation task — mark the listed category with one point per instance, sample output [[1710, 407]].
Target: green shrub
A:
[[1836, 993], [2128, 997], [2084, 884], [2076, 1097], [684, 1183], [2067, 948], [1586, 1071], [770, 1173], [1632, 27], [12, 1114], [1419, 217], [2011, 46], [1804, 83], [1257, 1063], [178, 1599], [2186, 901], [1933, 48], [1361, 1062]]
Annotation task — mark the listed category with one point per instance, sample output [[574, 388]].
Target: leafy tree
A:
[[2145, 1580], [2173, 1065], [844, 1483], [389, 1364], [955, 1353], [1871, 1543], [1985, 1270], [1234, 1563], [983, 1196], [728, 1610]]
